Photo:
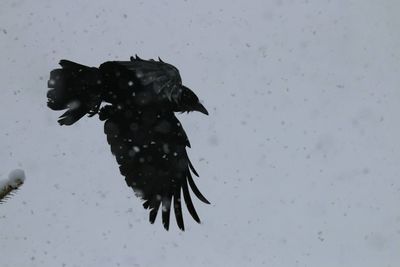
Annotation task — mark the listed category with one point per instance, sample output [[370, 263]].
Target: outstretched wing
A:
[[150, 148], [162, 78]]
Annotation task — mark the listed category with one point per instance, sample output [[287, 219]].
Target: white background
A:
[[299, 156]]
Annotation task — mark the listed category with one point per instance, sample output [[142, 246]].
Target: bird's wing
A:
[[163, 78], [151, 151]]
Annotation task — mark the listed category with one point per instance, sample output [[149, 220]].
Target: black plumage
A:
[[146, 138]]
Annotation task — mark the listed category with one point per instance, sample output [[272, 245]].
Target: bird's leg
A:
[[106, 112], [94, 105], [94, 111]]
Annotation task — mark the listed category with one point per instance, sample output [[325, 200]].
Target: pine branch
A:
[[7, 191], [11, 185]]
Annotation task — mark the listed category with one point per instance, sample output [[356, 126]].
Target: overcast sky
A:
[[299, 156]]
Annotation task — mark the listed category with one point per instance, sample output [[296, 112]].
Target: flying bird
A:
[[137, 101]]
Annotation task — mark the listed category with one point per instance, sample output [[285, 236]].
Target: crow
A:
[[137, 100]]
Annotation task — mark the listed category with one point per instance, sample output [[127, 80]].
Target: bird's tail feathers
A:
[[74, 87]]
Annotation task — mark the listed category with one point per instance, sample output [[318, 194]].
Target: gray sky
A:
[[299, 156]]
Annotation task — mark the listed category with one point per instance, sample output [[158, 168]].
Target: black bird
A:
[[146, 138]]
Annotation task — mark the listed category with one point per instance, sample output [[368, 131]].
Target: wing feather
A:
[[154, 211], [178, 209], [166, 209], [162, 77], [155, 163], [189, 203], [195, 190]]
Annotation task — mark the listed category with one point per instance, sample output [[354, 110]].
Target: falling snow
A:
[[299, 155]]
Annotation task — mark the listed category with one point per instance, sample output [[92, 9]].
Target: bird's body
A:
[[146, 138]]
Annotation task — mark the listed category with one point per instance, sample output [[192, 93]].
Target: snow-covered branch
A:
[[8, 186]]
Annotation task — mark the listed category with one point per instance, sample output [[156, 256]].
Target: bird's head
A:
[[190, 102]]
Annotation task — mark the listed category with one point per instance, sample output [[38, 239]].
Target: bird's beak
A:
[[201, 108]]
